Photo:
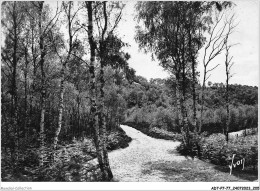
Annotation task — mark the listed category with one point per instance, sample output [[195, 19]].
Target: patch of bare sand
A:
[[130, 164]]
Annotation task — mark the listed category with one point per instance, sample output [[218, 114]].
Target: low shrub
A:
[[218, 151], [154, 132], [71, 161], [164, 134], [193, 148], [118, 139], [252, 131], [215, 149]]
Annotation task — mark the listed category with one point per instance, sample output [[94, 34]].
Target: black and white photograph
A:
[[129, 91]]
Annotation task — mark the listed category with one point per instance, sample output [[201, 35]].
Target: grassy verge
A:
[[216, 150], [197, 171], [71, 162]]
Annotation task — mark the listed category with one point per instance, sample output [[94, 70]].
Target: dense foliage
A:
[[152, 105], [215, 149], [50, 86], [72, 162]]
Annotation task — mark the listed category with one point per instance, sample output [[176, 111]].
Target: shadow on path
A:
[[192, 171], [249, 175]]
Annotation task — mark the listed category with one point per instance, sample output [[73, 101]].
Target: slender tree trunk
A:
[[102, 124], [93, 106], [14, 112], [193, 63], [42, 122], [78, 110], [178, 100], [227, 108], [227, 99], [25, 95], [43, 86], [194, 95], [228, 65], [180, 108], [184, 109], [102, 120], [202, 100], [25, 104], [34, 75], [61, 102], [61, 107]]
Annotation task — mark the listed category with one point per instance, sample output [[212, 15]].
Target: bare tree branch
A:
[[209, 70], [208, 77], [80, 59]]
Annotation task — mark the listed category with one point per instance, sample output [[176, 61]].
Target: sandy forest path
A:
[[134, 163], [147, 159]]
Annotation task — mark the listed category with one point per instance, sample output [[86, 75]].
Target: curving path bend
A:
[[132, 163]]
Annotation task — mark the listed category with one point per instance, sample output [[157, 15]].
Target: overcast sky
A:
[[246, 54]]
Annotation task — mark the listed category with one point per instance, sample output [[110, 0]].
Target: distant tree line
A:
[[153, 104]]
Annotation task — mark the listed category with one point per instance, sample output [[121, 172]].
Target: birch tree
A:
[[228, 65], [44, 29], [164, 34], [70, 19], [221, 30], [105, 31], [93, 103]]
